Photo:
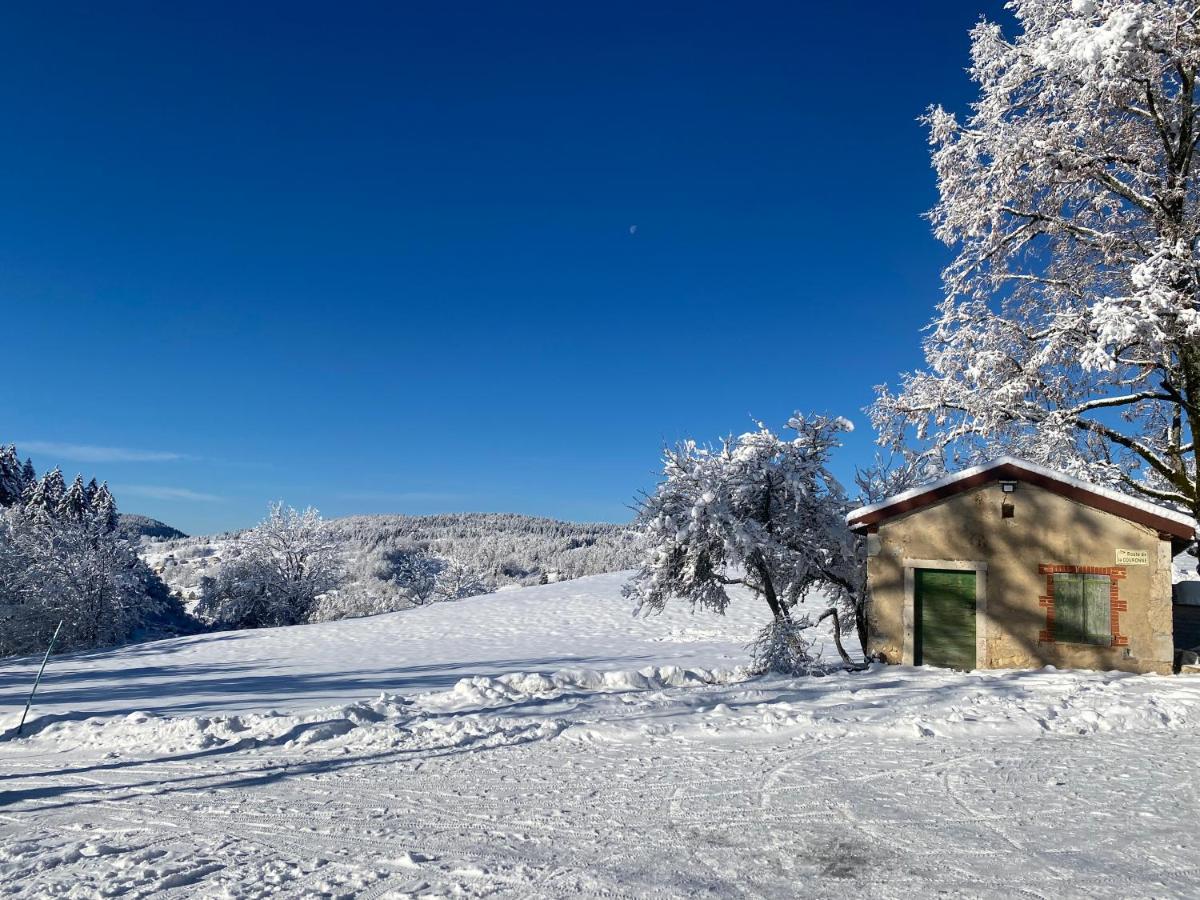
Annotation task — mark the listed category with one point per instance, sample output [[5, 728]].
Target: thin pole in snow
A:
[[38, 680]]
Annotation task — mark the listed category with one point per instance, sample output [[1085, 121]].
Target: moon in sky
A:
[[633, 229]]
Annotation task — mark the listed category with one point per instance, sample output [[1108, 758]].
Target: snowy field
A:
[[544, 743]]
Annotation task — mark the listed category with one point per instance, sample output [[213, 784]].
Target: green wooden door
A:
[[945, 619]]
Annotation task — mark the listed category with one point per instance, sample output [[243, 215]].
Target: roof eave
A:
[[1168, 522]]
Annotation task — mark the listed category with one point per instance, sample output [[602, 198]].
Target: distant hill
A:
[[499, 550], [136, 526]]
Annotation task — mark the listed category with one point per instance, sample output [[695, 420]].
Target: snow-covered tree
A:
[[1070, 329], [416, 571], [77, 569], [61, 558], [74, 503], [386, 578], [896, 471], [12, 476], [103, 508], [759, 511], [456, 581], [42, 498], [283, 566], [28, 473]]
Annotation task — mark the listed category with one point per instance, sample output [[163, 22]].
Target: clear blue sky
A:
[[382, 257]]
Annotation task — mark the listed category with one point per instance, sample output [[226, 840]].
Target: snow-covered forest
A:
[[385, 563], [136, 526], [63, 558], [67, 555]]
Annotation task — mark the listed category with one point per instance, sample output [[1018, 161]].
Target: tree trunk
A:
[[768, 589], [1189, 364], [860, 622], [837, 633]]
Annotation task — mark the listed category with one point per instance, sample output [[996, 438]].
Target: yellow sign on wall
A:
[[1133, 557]]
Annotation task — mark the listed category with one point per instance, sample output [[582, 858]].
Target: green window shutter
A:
[[1097, 600], [1082, 609], [1068, 608]]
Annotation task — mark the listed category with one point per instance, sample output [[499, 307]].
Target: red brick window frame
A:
[[1116, 604]]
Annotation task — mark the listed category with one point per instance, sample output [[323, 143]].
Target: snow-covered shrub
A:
[[397, 562], [398, 577], [456, 581], [390, 577], [783, 648], [284, 565]]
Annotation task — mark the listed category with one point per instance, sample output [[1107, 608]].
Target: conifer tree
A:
[[74, 501], [45, 495], [12, 482], [103, 509]]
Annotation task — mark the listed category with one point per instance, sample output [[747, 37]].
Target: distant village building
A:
[[1011, 565]]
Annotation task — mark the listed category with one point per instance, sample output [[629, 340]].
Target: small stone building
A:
[[1011, 565]]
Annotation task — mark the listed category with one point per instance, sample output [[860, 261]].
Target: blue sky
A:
[[474, 256]]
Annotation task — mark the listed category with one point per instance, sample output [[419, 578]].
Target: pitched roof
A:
[[1169, 521]]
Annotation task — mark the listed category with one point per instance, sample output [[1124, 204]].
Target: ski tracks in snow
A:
[[684, 792]]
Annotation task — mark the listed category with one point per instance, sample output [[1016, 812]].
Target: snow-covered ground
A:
[[583, 623], [544, 743]]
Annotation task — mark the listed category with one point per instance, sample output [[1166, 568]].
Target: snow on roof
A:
[[1032, 469]]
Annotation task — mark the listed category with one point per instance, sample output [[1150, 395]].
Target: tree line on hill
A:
[[364, 565], [135, 527], [67, 555], [457, 555]]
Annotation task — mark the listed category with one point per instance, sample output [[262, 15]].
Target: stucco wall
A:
[[1046, 529]]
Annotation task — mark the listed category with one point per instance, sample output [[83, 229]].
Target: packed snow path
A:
[[663, 782]]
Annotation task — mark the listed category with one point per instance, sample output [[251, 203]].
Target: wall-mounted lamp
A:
[[1007, 511]]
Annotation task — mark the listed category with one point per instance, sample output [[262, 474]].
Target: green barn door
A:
[[945, 619]]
